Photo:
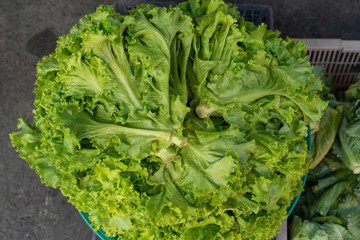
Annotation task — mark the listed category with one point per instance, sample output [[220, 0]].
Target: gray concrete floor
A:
[[28, 30]]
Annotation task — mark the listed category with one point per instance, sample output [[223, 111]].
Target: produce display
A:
[[330, 206], [184, 122]]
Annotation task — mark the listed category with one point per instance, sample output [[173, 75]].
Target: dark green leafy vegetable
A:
[[347, 146], [330, 203], [324, 138], [330, 206]]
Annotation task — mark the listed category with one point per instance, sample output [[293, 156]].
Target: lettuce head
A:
[[184, 122]]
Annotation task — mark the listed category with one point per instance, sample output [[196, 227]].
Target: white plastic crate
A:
[[341, 59]]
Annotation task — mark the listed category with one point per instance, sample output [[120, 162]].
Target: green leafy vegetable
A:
[[330, 206], [347, 146], [174, 123], [325, 137]]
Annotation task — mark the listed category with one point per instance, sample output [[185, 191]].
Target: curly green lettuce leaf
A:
[[28, 143], [257, 64]]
